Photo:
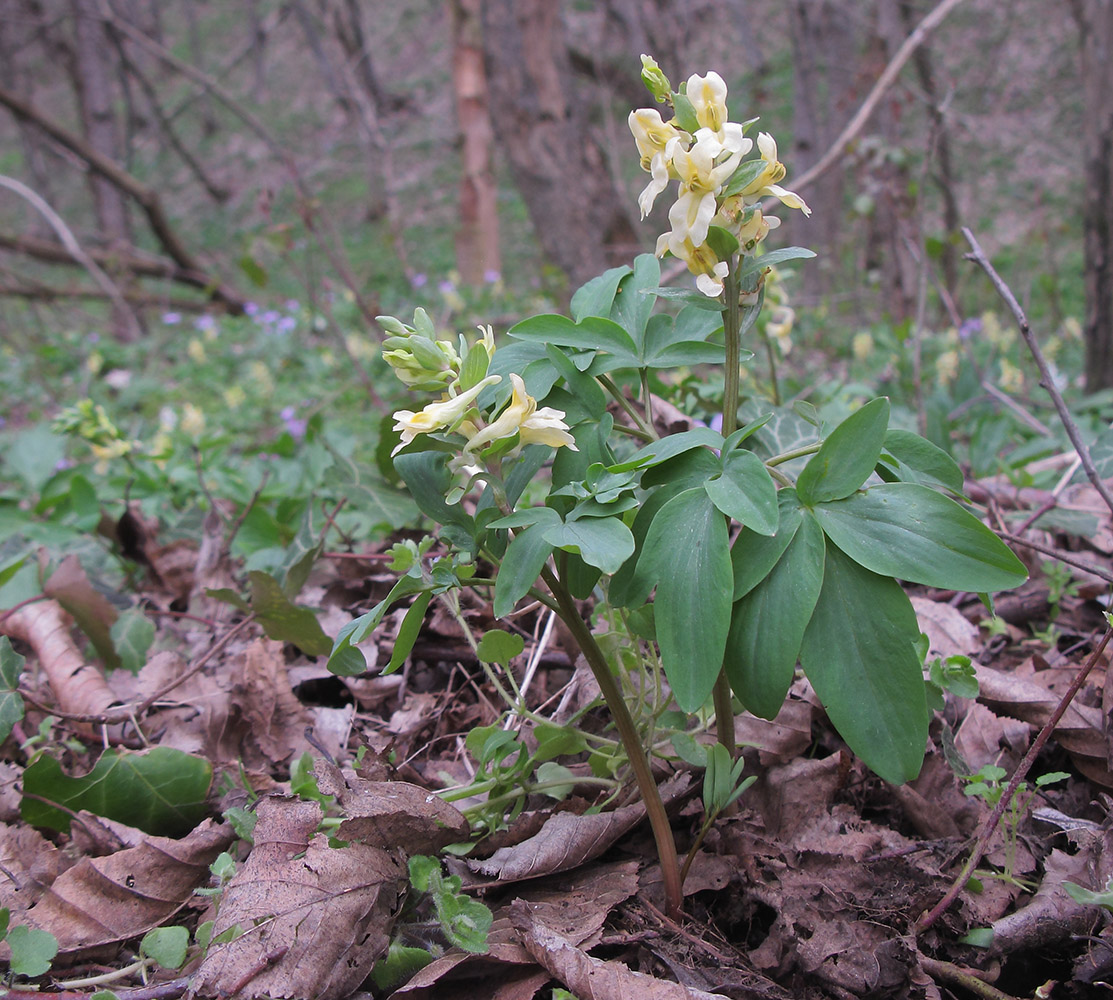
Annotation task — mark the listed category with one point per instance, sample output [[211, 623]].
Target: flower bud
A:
[[655, 80]]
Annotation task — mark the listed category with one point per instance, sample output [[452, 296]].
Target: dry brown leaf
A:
[[92, 611], [1079, 732], [781, 739], [79, 687], [105, 900], [591, 978], [1051, 917], [983, 737], [31, 864], [567, 840], [949, 632], [391, 814], [314, 917], [268, 703]]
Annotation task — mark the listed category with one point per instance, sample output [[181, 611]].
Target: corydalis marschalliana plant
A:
[[705, 151]]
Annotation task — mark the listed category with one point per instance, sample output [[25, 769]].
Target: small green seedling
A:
[[33, 950], [1088, 897], [464, 921]]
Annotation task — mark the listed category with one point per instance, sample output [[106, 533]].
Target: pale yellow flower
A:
[[196, 351], [862, 345], [701, 260], [234, 397], [656, 141], [193, 420], [443, 414], [522, 417], [765, 184]]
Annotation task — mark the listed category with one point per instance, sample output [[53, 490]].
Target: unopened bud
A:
[[655, 80]]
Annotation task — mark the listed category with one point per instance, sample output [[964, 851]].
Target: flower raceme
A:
[[703, 150], [421, 362]]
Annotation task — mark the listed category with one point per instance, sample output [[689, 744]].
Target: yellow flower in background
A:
[[260, 374], [193, 420], [946, 367], [862, 345], [522, 417], [94, 362], [196, 351], [234, 397], [1012, 378], [779, 327], [1072, 329], [445, 413]]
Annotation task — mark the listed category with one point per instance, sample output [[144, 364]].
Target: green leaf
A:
[[282, 619], [768, 624], [33, 950], [859, 654], [595, 298], [632, 305], [745, 492], [428, 479], [753, 264], [399, 965], [592, 333], [167, 946], [525, 557], [501, 647], [408, 631], [161, 791], [687, 552], [11, 704], [132, 634], [913, 533], [603, 542], [847, 457], [696, 300], [918, 460], [753, 556]]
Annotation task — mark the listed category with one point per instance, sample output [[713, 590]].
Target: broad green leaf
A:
[[675, 444], [913, 533], [751, 265], [595, 298], [408, 631], [767, 625], [847, 457], [399, 965], [161, 791], [166, 945], [521, 566], [632, 306], [745, 491], [11, 704], [859, 654], [498, 646], [592, 333], [918, 460], [585, 388], [428, 479], [132, 634], [687, 550], [603, 542], [577, 575], [33, 950], [753, 556], [347, 661], [283, 620]]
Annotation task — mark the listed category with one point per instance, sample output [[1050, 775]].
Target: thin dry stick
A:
[[1019, 775], [69, 241], [1046, 380], [888, 75]]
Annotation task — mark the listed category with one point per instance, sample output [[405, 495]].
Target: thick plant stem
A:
[[627, 731], [724, 711]]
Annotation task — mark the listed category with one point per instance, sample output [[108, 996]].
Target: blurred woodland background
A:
[[193, 155]]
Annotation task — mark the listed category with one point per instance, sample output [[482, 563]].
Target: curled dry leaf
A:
[[313, 918], [79, 687], [106, 900], [567, 840], [276, 717], [587, 977], [391, 814]]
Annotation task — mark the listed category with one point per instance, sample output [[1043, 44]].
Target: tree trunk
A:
[[1095, 23], [477, 240], [543, 129]]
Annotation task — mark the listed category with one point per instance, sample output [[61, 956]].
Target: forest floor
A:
[[814, 885]]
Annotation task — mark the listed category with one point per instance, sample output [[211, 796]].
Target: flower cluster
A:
[[705, 151], [423, 363]]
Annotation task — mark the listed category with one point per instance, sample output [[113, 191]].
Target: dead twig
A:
[[1046, 380], [994, 820]]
